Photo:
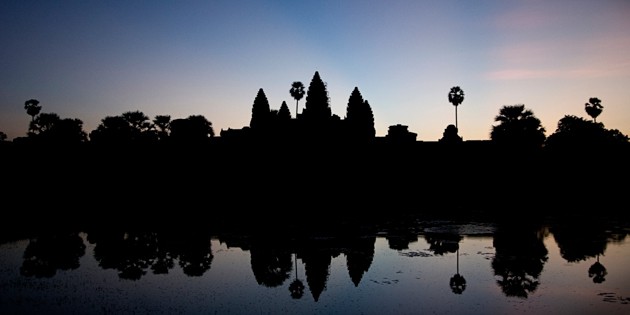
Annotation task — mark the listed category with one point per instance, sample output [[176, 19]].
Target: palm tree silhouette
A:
[[456, 97], [297, 91], [593, 107], [32, 108]]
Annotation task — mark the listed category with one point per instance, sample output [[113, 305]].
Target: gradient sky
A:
[[92, 59]]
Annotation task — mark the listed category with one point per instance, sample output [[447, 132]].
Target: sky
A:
[[92, 59]]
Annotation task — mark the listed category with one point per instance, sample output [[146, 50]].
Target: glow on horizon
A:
[[92, 60]]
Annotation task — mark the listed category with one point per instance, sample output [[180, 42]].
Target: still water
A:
[[419, 267]]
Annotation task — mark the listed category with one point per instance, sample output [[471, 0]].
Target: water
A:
[[419, 267]]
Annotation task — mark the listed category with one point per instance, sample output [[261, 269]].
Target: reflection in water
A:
[[457, 282], [359, 254], [133, 253], [47, 253], [520, 255], [597, 271], [271, 262], [580, 239], [519, 258], [297, 287]]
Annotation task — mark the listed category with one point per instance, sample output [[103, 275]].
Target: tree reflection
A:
[[47, 253], [579, 239], [444, 243], [597, 271], [401, 233], [271, 263], [127, 252], [519, 258], [133, 253], [296, 287], [194, 251], [457, 282]]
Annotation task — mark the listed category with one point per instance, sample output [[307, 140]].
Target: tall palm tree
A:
[[297, 92], [593, 107], [32, 108], [456, 97]]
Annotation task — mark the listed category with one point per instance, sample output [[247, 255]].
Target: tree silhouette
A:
[[49, 128], [517, 127], [3, 136], [297, 92], [593, 107], [130, 127], [456, 97], [195, 128], [32, 108], [43, 124], [163, 123], [577, 132]]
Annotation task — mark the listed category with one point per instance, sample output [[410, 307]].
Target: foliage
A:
[[49, 128], [163, 124], [32, 108], [518, 127], [574, 132], [594, 107], [456, 97], [297, 92], [195, 128], [130, 127]]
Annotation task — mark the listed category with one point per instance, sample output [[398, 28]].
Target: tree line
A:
[[516, 126]]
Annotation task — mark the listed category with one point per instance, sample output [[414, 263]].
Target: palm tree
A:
[[297, 91], [32, 108], [517, 126], [456, 97], [593, 107]]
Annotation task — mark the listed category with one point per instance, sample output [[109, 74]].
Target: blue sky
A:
[[92, 59]]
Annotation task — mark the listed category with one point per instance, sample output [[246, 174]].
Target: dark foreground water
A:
[[410, 267]]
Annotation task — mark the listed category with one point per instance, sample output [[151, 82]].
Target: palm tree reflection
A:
[[296, 287], [597, 271], [458, 282]]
